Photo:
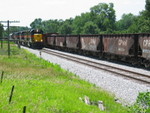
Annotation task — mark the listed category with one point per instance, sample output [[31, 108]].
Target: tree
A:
[[135, 24], [90, 28], [66, 27], [142, 23], [144, 19], [51, 26], [104, 16], [36, 24], [100, 18], [125, 22], [79, 22], [147, 6], [146, 13]]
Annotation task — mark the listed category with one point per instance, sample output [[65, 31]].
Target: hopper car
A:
[[131, 48]]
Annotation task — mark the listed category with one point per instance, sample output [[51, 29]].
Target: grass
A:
[[44, 87]]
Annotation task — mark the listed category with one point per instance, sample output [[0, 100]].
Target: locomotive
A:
[[131, 48], [31, 38]]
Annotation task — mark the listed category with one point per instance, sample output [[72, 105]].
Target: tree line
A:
[[100, 20]]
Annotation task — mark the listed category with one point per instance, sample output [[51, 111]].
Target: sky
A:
[[26, 11]]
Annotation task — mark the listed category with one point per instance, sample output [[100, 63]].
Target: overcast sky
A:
[[27, 10]]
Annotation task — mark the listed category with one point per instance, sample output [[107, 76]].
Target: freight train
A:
[[31, 38], [131, 48]]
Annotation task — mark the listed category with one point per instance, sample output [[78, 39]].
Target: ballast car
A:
[[131, 48]]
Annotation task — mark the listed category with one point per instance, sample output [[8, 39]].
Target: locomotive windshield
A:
[[37, 31]]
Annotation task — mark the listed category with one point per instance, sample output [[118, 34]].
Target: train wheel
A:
[[134, 62], [33, 45], [100, 56], [30, 45], [108, 57], [147, 65]]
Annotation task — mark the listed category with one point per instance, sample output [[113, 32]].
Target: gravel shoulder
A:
[[125, 90]]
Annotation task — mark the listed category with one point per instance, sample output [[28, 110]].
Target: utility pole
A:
[[1, 34], [8, 32], [1, 42], [8, 38]]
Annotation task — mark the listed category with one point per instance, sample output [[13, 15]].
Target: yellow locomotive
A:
[[32, 38]]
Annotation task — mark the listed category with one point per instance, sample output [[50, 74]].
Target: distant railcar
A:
[[72, 43], [91, 44], [49, 40]]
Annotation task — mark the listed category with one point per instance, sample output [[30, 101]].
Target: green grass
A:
[[46, 88]]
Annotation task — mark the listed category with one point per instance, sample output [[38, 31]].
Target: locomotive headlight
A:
[[35, 40], [41, 40]]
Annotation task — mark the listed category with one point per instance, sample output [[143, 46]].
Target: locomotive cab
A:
[[37, 38]]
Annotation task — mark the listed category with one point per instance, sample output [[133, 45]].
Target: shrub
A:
[[142, 104]]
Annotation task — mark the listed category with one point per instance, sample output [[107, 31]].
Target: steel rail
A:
[[116, 70]]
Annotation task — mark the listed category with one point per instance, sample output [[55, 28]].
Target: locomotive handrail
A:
[[6, 39]]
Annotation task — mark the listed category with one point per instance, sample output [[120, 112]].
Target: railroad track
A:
[[142, 78]]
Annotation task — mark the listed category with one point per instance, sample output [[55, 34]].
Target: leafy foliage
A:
[[100, 19], [142, 104], [66, 27], [142, 22], [126, 21], [147, 6], [104, 16], [90, 28], [36, 24]]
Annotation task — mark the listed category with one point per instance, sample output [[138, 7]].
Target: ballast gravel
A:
[[124, 90]]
